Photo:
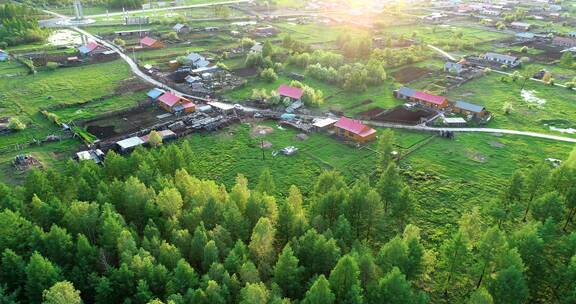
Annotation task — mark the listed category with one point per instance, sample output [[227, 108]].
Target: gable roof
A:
[[474, 108], [148, 41], [194, 57], [289, 91], [169, 99], [88, 48], [408, 92], [430, 98], [500, 57], [354, 126], [155, 93]]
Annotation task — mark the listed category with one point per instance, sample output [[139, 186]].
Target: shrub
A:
[[268, 75], [119, 42], [52, 65], [15, 124]]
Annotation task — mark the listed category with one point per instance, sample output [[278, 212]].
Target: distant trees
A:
[[19, 24]]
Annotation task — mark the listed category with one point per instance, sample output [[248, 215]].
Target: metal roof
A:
[[469, 106], [405, 91], [155, 93], [130, 142], [454, 120]]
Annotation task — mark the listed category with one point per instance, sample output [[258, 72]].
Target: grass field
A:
[[559, 108], [25, 96]]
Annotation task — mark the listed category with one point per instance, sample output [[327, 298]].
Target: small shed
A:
[[225, 108], [129, 144], [455, 121], [94, 155], [324, 124]]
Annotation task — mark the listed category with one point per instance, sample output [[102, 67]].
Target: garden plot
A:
[[409, 74], [65, 38]]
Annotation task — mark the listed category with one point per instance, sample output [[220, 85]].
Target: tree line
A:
[[141, 229], [19, 25]]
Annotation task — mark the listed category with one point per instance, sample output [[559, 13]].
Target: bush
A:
[[268, 75], [15, 124], [507, 108], [119, 42], [52, 65]]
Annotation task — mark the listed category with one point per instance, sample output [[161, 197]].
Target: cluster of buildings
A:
[[469, 110]]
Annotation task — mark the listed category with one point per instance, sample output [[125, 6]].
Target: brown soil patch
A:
[[261, 131], [131, 85], [370, 113], [245, 72], [405, 116], [409, 74], [359, 104]]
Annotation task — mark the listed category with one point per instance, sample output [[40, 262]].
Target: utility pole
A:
[[262, 148]]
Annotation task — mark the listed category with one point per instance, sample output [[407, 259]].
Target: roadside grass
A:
[[11, 67], [93, 110], [490, 91]]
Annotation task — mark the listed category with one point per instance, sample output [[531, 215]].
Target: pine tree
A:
[[266, 182], [210, 255], [262, 245], [481, 296], [394, 288]]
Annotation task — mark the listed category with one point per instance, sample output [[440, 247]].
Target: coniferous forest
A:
[[140, 229]]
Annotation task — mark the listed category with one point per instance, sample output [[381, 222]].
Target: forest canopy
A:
[[141, 229]]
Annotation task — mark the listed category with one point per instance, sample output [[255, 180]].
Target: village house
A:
[[151, 43], [470, 109], [164, 134], [92, 49], [520, 26], [564, 42], [3, 55], [511, 61], [196, 61], [453, 68], [422, 98], [295, 94], [354, 130], [181, 28], [175, 104]]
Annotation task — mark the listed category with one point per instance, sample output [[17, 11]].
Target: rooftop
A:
[[289, 91], [354, 126], [169, 99], [148, 41], [130, 142], [469, 106]]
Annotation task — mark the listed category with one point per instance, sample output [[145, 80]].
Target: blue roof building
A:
[[155, 93]]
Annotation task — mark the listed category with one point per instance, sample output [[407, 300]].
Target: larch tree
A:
[[262, 245], [481, 296], [319, 292], [41, 274], [61, 293], [288, 274], [345, 281]]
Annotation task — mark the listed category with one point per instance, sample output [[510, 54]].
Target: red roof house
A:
[[433, 100], [91, 48], [291, 92], [152, 43], [173, 103], [354, 130]]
